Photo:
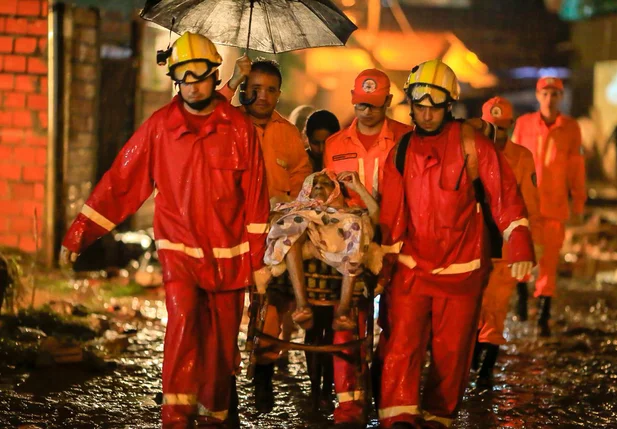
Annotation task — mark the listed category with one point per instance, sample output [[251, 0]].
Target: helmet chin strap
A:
[[446, 119], [201, 104], [197, 105]]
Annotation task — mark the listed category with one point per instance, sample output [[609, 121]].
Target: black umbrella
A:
[[279, 25]]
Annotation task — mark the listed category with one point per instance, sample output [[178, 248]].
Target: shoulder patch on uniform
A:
[[344, 156], [534, 179]]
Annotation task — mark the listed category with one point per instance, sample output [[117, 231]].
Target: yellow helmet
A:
[[193, 58], [432, 83]]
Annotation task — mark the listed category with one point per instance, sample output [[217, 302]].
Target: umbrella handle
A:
[[248, 37], [242, 96]]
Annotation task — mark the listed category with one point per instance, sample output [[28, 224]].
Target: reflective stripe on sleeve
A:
[[520, 222], [458, 268], [97, 218]]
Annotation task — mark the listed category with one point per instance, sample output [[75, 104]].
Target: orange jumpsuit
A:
[[287, 164], [560, 167], [496, 298], [345, 152]]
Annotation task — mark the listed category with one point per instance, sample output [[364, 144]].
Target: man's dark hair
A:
[[322, 120], [266, 66]]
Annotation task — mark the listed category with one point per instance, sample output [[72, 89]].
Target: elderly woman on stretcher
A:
[[320, 224]]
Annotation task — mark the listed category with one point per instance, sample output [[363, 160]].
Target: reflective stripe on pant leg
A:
[[346, 383], [180, 382], [357, 395], [387, 413], [405, 350], [221, 314], [454, 321], [443, 420]]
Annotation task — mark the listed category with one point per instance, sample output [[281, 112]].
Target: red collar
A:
[[176, 123]]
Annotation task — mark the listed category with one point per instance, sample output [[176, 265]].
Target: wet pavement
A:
[[567, 381]]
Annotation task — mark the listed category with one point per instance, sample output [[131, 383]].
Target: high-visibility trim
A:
[[361, 172], [97, 218], [356, 395], [549, 151], [257, 228], [195, 252], [219, 415], [387, 413], [521, 222], [231, 252], [393, 248], [408, 261], [179, 399], [433, 418], [376, 179], [459, 268]]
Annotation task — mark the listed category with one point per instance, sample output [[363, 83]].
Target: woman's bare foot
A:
[[343, 323], [303, 317]]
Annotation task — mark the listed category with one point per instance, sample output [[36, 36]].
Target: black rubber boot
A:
[[264, 394], [490, 358], [545, 316], [233, 398], [521, 307], [376, 371], [477, 355]]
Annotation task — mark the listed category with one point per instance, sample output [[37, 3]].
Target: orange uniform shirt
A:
[[286, 162], [560, 165], [345, 152]]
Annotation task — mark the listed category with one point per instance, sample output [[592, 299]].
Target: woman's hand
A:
[[351, 180]]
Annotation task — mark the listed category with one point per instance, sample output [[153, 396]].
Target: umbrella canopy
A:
[[277, 25]]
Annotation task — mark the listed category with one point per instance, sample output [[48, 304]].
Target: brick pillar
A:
[[23, 120], [82, 81]]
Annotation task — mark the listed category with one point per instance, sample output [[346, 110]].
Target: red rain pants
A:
[[200, 354]]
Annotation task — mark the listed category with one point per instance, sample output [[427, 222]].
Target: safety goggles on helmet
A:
[[429, 95], [192, 71]]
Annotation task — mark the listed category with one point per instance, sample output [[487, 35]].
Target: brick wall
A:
[[23, 120]]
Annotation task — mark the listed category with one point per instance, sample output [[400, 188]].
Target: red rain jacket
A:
[[437, 229], [211, 199]]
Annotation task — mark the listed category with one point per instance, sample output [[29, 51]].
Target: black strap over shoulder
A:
[[401, 152]]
